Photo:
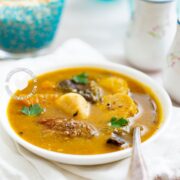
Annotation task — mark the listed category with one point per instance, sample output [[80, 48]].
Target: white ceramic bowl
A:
[[91, 159]]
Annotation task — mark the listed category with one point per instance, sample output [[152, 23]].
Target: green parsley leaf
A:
[[81, 78], [33, 110], [118, 122]]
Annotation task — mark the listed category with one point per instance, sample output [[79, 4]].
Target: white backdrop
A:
[[101, 24]]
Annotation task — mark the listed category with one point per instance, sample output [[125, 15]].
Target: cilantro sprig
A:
[[118, 122], [33, 110], [81, 78]]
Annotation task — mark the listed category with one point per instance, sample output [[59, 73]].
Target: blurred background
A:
[[101, 23]]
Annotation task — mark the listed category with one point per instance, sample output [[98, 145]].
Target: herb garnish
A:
[[118, 122], [80, 78], [33, 110]]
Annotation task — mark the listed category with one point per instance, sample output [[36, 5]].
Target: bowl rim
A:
[[97, 158]]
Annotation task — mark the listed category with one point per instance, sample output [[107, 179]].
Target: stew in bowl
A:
[[86, 111]]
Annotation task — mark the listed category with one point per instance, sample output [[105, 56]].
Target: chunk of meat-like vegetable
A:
[[114, 85], [119, 105], [116, 140], [91, 91], [70, 128], [72, 103]]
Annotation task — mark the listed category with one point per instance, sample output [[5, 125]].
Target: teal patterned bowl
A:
[[27, 26]]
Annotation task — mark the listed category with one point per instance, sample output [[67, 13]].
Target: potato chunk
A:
[[120, 105], [72, 103], [114, 85]]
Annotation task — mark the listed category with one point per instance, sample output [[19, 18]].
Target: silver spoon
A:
[[137, 169]]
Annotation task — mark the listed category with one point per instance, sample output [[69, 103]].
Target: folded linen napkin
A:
[[17, 163]]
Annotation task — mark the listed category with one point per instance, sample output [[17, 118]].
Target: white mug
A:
[[151, 32], [171, 73]]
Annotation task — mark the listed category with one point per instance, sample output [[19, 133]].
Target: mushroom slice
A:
[[116, 140], [91, 91]]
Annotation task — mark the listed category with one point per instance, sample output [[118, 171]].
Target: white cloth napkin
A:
[[16, 163]]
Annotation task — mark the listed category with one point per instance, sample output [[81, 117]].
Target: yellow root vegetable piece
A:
[[114, 85], [48, 85], [74, 105], [39, 99], [119, 105]]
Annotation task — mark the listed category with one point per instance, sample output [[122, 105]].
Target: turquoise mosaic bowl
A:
[[29, 28]]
